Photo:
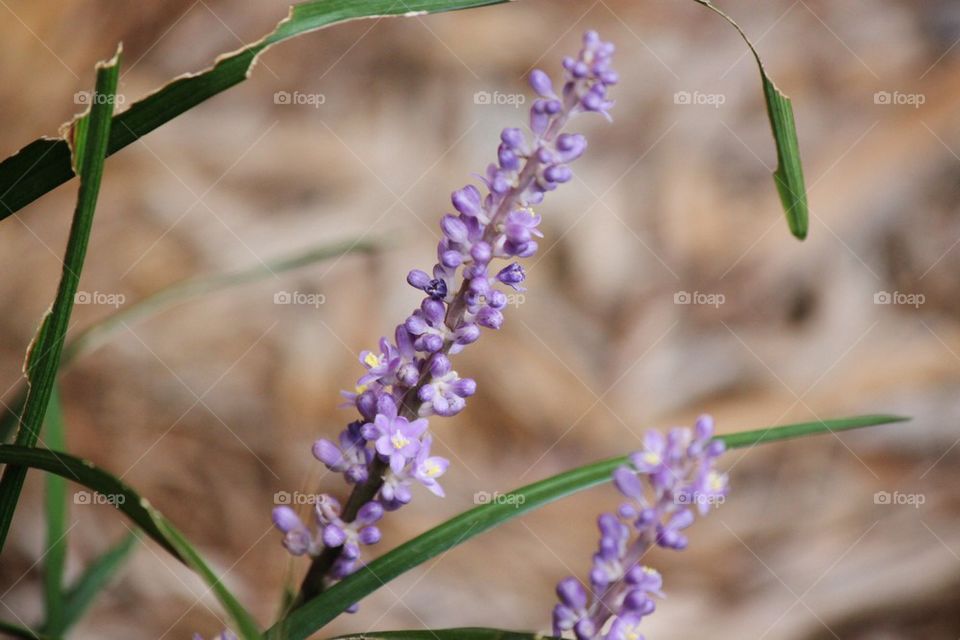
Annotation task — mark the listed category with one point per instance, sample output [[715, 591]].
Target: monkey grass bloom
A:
[[395, 438], [662, 483], [411, 378]]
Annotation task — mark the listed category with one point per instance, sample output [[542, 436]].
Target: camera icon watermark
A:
[[92, 97], [94, 497], [299, 98], [714, 100], [296, 498], [515, 100], [486, 497], [899, 298], [512, 299], [898, 98], [312, 299], [699, 298], [896, 498], [699, 499], [114, 300]]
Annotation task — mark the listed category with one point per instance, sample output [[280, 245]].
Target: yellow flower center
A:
[[652, 459], [431, 469], [360, 388], [631, 632], [371, 360], [715, 481], [399, 441]]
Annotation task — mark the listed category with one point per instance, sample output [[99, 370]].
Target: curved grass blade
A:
[[55, 556], [463, 633], [246, 627], [139, 510], [17, 631], [45, 163], [97, 334], [88, 139], [78, 598], [315, 613], [789, 174]]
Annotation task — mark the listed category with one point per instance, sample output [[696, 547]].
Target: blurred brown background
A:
[[210, 408]]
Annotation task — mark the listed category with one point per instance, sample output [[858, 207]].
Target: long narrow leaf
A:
[[44, 164], [319, 611], [463, 633], [94, 579], [246, 626], [316, 613], [135, 507], [97, 334], [88, 137], [56, 514], [789, 174], [17, 631]]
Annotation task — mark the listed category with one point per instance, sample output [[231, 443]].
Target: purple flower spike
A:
[[386, 451], [663, 482]]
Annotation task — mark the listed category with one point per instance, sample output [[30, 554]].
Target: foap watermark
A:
[[714, 100], [114, 300], [515, 100], [513, 299], [299, 98], [899, 99], [485, 497], [92, 97], [296, 498], [312, 299], [898, 297], [699, 499], [899, 499], [94, 497], [700, 298]]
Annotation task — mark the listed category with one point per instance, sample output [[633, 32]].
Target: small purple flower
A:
[[664, 480], [351, 457], [382, 366], [428, 468], [652, 457], [397, 439], [625, 627], [296, 538]]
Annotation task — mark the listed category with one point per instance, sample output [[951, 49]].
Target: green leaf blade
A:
[[319, 611], [788, 176], [139, 511], [55, 556], [91, 583], [45, 164], [744, 439], [17, 631], [88, 137]]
